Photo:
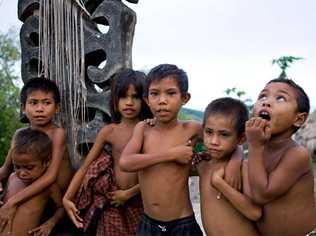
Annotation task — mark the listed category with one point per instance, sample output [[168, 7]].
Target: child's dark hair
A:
[[164, 70], [39, 84], [302, 99], [229, 107], [34, 142], [120, 84]]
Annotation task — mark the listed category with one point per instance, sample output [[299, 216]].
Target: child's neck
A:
[[129, 122], [279, 142], [167, 125], [45, 127]]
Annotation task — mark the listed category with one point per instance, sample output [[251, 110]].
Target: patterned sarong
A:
[[95, 207]]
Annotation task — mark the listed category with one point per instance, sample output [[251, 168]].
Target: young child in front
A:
[[118, 191], [162, 154], [280, 171], [30, 157], [40, 100], [225, 210]]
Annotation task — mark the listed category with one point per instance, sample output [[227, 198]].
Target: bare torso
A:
[[164, 186], [119, 138], [29, 213], [295, 210], [219, 217], [65, 171]]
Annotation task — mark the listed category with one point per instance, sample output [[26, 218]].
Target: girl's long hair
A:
[[120, 84]]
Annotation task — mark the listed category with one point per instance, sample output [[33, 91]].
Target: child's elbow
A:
[[124, 164]]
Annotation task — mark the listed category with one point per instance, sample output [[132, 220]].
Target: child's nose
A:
[[214, 140], [266, 103], [162, 99], [39, 107], [21, 173], [129, 101]]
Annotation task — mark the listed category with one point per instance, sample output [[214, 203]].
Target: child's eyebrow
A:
[[283, 91]]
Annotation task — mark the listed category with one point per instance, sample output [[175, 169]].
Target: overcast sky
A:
[[220, 43]]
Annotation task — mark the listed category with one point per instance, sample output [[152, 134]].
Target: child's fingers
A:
[[1, 187], [33, 231], [10, 225], [3, 223]]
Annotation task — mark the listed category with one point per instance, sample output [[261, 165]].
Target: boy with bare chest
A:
[[225, 210], [280, 170], [165, 160]]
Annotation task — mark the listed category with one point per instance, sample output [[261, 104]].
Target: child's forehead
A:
[[221, 120], [22, 158], [280, 87], [40, 94], [168, 81]]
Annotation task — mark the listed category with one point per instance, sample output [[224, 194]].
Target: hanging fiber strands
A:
[[61, 58]]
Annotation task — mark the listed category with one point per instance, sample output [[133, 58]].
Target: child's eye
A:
[[29, 167], [262, 97], [32, 102], [208, 131], [280, 98], [225, 134], [171, 93], [153, 94]]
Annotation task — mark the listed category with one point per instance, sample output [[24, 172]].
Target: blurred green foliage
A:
[[9, 91]]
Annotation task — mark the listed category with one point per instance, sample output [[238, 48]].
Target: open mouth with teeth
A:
[[265, 115]]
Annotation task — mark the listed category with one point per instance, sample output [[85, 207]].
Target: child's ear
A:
[[185, 98], [57, 108], [300, 119]]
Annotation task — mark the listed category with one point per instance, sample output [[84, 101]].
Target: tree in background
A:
[[9, 91], [240, 94], [284, 63]]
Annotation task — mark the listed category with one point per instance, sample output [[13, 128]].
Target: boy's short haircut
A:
[[164, 70], [303, 104], [229, 107], [34, 142], [39, 84]]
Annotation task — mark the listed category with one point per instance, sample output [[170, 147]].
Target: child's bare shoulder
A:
[[192, 125], [56, 132], [298, 155], [204, 168]]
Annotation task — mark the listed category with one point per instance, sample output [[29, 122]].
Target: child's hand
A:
[[183, 153], [257, 131], [233, 173], [118, 197], [44, 229], [218, 176], [73, 213], [7, 213], [151, 122]]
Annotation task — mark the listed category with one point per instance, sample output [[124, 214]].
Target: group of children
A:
[[139, 186]]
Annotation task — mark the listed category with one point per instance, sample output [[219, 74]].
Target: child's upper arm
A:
[[136, 142], [101, 139], [58, 151], [7, 166], [56, 195], [294, 164]]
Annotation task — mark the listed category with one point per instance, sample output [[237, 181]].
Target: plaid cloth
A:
[[95, 207]]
